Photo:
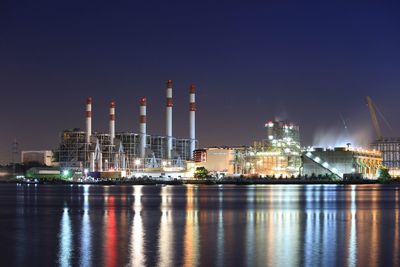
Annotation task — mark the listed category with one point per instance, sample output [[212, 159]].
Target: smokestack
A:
[[112, 122], [168, 127], [142, 122], [192, 118], [88, 119]]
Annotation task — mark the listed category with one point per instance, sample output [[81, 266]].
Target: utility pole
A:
[[15, 152]]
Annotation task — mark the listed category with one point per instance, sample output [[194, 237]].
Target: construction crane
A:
[[372, 111]]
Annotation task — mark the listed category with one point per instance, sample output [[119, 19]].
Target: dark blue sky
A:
[[308, 62]]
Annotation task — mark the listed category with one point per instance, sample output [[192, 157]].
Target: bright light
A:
[[326, 165], [317, 159], [86, 171], [65, 172], [137, 162], [353, 170], [164, 163], [270, 137]]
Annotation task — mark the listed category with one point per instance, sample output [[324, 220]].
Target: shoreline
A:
[[207, 182]]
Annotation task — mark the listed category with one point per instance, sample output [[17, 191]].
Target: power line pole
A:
[[15, 153]]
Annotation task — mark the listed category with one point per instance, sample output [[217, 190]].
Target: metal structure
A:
[[126, 151], [372, 112], [390, 148], [192, 117], [341, 162], [168, 113], [277, 155], [112, 122], [88, 119]]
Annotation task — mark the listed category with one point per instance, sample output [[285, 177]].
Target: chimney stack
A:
[[112, 122], [88, 119], [143, 122], [192, 118], [168, 127]]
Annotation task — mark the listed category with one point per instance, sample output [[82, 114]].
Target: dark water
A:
[[277, 225]]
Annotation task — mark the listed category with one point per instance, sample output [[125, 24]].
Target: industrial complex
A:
[[128, 154], [280, 154]]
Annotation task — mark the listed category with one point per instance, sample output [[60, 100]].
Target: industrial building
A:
[[279, 154], [42, 157], [341, 162], [221, 161], [127, 152], [390, 148]]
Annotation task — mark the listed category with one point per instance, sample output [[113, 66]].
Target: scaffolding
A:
[[74, 152]]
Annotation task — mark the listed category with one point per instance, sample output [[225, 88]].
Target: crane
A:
[[375, 123], [372, 111]]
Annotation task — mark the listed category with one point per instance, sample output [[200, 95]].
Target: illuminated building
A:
[[341, 162], [390, 148], [129, 152], [220, 160], [279, 154]]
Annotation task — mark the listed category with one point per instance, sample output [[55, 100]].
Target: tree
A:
[[383, 174], [201, 173]]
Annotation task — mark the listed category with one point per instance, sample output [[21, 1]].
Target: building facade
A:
[[390, 148], [341, 162]]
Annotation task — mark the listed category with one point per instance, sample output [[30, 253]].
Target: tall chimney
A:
[[192, 118], [168, 127], [88, 119], [112, 122], [142, 122]]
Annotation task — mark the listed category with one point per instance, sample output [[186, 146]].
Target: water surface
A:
[[266, 225]]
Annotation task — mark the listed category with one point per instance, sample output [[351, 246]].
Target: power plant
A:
[[278, 155], [126, 153]]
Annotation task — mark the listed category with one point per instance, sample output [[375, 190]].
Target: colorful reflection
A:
[[191, 236], [166, 232], [65, 238], [86, 241], [110, 232], [207, 225], [137, 257]]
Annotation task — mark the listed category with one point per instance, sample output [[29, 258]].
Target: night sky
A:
[[311, 63]]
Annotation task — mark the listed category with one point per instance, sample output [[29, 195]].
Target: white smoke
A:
[[334, 137]]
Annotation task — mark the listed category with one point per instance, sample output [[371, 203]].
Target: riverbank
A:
[[238, 181]]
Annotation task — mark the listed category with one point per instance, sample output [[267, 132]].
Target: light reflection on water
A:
[[279, 225], [65, 239], [136, 242]]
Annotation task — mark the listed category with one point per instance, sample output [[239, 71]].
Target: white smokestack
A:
[[88, 119], [112, 122], [143, 122], [168, 127], [192, 118]]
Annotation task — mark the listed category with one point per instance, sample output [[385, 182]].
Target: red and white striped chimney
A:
[[192, 118], [168, 127], [112, 122], [88, 119], [143, 122]]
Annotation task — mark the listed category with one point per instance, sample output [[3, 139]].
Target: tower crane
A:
[[372, 111]]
